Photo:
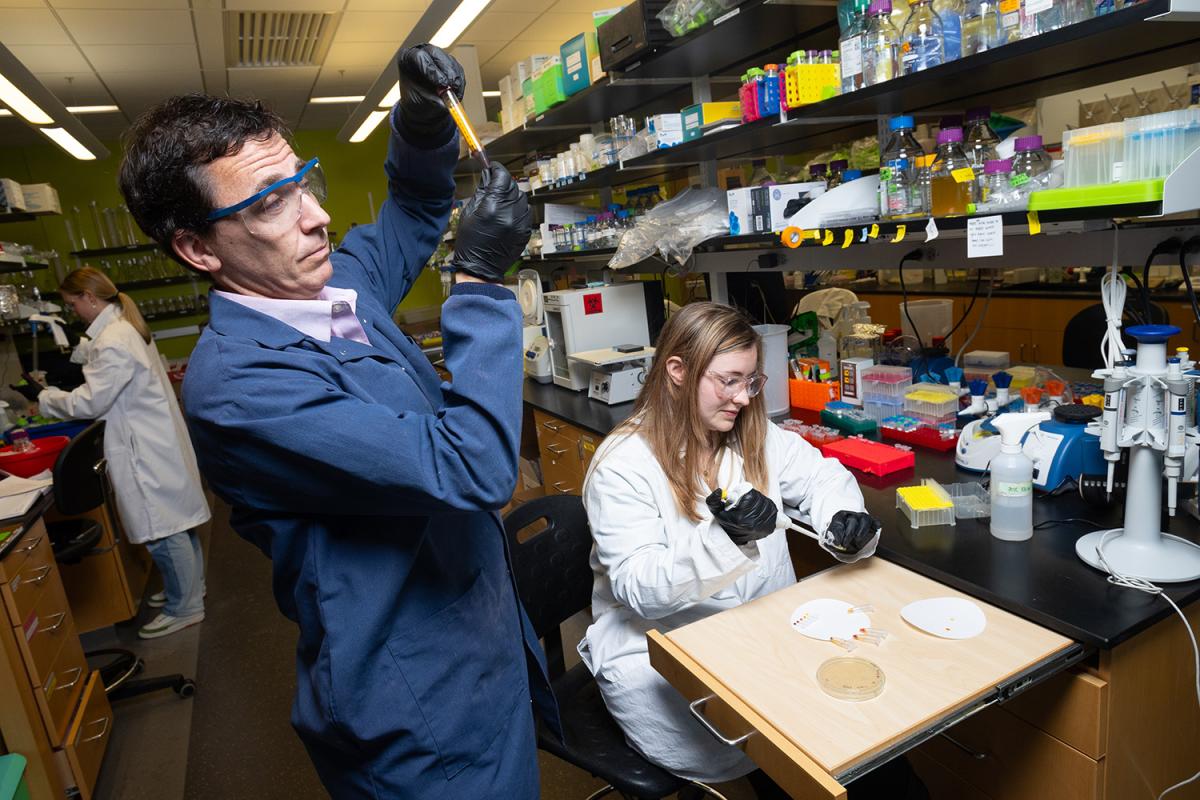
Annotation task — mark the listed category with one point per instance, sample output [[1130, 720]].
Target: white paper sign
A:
[[985, 236], [931, 230]]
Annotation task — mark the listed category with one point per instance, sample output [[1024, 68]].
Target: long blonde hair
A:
[[668, 416], [90, 279]]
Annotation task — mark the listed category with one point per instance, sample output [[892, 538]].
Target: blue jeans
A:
[[181, 562]]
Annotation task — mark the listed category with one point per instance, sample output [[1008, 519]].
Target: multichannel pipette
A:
[[455, 107]]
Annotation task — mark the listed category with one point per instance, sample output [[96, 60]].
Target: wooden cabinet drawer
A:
[[548, 425], [940, 781], [562, 476], [60, 690], [41, 635], [1013, 760], [87, 739], [1071, 706], [24, 585]]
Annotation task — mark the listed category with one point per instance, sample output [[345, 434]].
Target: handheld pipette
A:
[[455, 107]]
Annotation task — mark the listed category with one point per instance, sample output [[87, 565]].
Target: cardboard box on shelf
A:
[[695, 118], [763, 209], [579, 54], [41, 198], [666, 130], [12, 198], [527, 68]]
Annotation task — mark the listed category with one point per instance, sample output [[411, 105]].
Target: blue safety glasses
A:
[[276, 209]]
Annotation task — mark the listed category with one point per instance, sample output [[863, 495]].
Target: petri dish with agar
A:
[[851, 678]]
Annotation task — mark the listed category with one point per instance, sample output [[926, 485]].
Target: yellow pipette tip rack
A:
[[927, 504]]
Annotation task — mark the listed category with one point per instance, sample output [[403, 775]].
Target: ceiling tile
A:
[[33, 26], [129, 27], [216, 81], [120, 4], [210, 38], [269, 81], [84, 88], [488, 50], [328, 6], [585, 6], [376, 26], [51, 58], [324, 117], [22, 4], [343, 82], [141, 58], [496, 26], [560, 27], [387, 5], [14, 133], [512, 6], [359, 55]]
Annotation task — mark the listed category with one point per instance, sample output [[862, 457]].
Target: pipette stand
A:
[[1146, 415]]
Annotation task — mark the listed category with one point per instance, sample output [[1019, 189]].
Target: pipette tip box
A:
[[872, 457], [927, 504]]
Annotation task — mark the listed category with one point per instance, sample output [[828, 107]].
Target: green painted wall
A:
[[353, 170]]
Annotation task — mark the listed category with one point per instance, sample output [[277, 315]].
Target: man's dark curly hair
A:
[[162, 175]]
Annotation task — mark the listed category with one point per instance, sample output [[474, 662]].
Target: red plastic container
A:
[[873, 457], [43, 455], [928, 438]]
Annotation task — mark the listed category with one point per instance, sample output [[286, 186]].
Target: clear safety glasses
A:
[[275, 210], [730, 386]]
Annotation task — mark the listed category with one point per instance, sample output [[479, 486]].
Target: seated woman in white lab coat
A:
[[669, 552], [150, 459]]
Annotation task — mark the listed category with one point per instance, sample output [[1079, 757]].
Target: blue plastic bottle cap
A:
[[1152, 334], [896, 123]]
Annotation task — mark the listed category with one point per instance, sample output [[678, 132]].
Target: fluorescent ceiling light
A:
[[345, 98], [4, 112], [458, 22], [15, 99], [364, 130], [392, 97], [495, 93], [69, 143]]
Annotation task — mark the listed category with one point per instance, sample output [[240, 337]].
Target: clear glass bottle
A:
[[1043, 16], [837, 169], [1029, 161], [900, 11], [921, 39], [979, 143], [850, 47], [1010, 21], [880, 41], [819, 172], [982, 28], [995, 181], [952, 180], [899, 191], [951, 13]]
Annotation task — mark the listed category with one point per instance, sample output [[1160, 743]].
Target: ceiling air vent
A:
[[277, 38]]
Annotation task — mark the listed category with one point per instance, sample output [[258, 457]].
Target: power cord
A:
[[1142, 585], [1050, 523], [987, 302], [1112, 297], [1191, 244], [971, 305], [912, 255], [1164, 247]]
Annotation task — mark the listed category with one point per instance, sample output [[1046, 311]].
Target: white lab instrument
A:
[[579, 320], [1012, 478], [775, 367], [851, 370], [1145, 410], [617, 377], [535, 344], [947, 617]]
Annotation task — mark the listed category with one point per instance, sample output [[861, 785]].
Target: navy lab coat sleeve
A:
[[303, 425], [386, 258]]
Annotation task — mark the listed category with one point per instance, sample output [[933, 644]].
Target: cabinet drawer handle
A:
[[975, 754], [44, 572], [78, 674], [558, 486], [99, 735], [29, 548], [551, 426], [62, 619], [697, 709], [558, 451]]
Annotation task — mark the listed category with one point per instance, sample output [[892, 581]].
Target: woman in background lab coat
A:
[[150, 461], [668, 552]]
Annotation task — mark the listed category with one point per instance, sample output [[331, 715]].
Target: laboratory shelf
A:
[[8, 269], [19, 216], [718, 244], [119, 250], [602, 178]]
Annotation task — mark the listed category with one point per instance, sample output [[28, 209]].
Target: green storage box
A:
[[12, 777], [548, 89], [1110, 194]]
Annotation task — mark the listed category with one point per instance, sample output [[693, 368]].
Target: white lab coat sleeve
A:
[[658, 561], [818, 486], [106, 374]]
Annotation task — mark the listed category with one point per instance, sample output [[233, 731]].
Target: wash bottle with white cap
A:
[[1012, 478]]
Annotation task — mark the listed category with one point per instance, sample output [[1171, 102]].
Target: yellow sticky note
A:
[[847, 239], [828, 238], [874, 233], [1035, 224], [963, 175], [900, 231]]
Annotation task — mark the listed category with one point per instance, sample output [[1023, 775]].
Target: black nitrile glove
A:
[[29, 391], [424, 70], [494, 227], [753, 517], [851, 531]]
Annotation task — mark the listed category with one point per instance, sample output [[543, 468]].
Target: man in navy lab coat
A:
[[371, 485]]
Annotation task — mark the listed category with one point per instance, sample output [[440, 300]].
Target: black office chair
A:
[[554, 580], [81, 485], [1085, 330]]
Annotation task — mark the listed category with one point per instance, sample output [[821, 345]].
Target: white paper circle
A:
[[947, 617], [826, 618]]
